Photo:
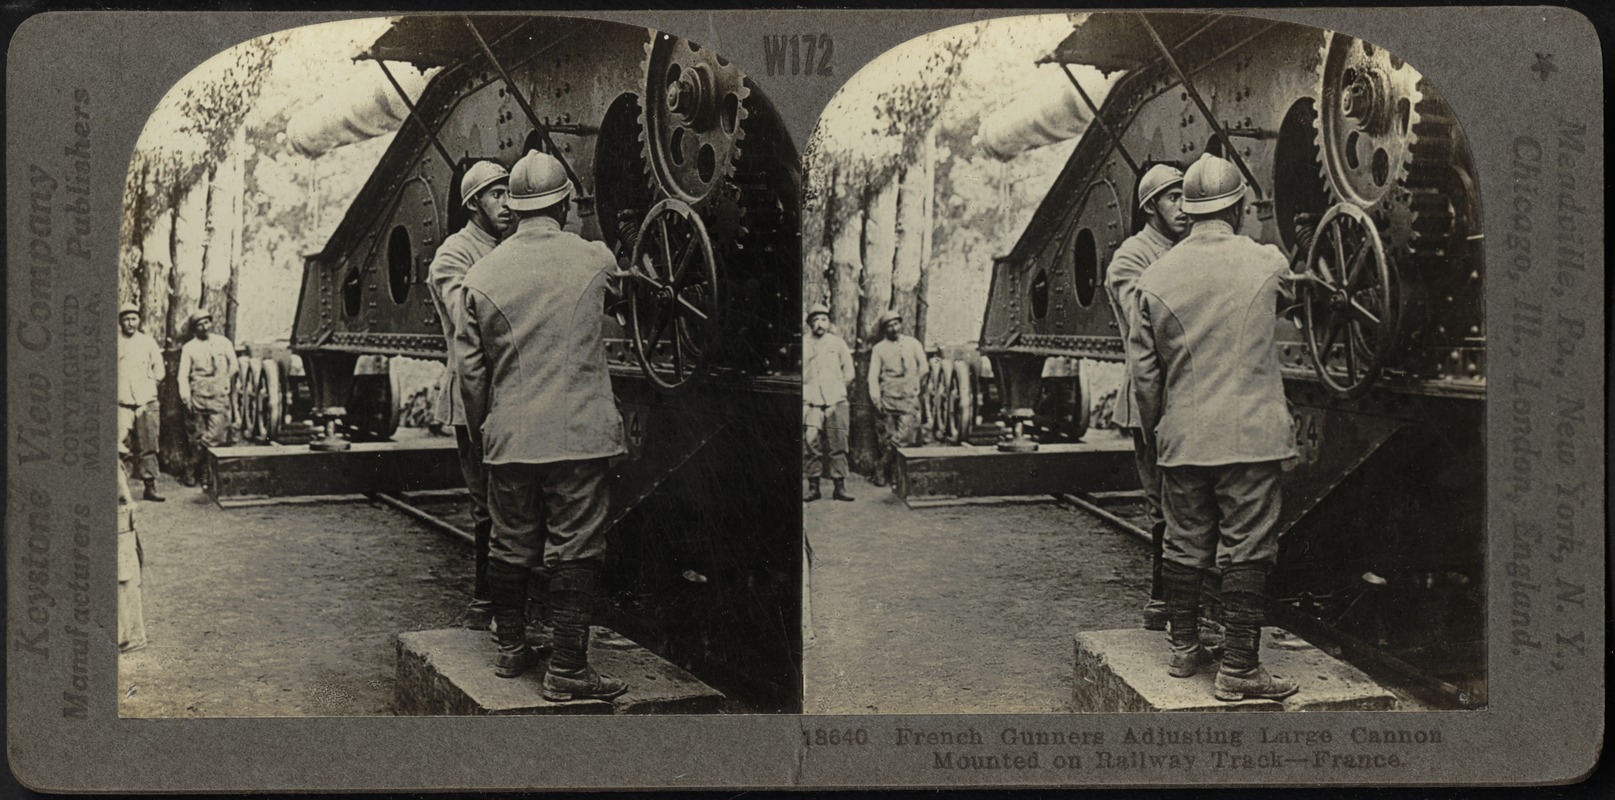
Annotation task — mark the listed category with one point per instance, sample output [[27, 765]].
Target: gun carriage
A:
[[685, 170], [1358, 169]]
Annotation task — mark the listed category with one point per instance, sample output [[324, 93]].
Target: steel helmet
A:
[[481, 175], [1211, 185], [1158, 179], [127, 309], [890, 315], [816, 309], [537, 182], [199, 315]]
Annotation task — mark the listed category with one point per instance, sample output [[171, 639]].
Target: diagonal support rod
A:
[[1194, 94], [521, 100], [430, 134], [1116, 140]]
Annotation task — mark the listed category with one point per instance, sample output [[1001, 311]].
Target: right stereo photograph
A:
[[1144, 369]]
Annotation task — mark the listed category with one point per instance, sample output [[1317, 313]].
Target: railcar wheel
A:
[[674, 296], [270, 402], [964, 407], [1351, 299], [245, 400]]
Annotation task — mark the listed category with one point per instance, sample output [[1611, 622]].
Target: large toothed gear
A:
[[1368, 127], [692, 116]]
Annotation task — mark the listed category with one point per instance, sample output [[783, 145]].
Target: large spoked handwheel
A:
[[674, 302], [1350, 301]]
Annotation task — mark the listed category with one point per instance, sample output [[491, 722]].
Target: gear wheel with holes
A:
[[1387, 144], [691, 118]]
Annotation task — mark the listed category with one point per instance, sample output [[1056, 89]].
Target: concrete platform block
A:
[[1125, 670], [449, 672]]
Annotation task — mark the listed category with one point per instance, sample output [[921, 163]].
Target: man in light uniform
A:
[[1160, 200], [827, 369], [1209, 392], [483, 190], [895, 366], [207, 371], [140, 369], [537, 395]]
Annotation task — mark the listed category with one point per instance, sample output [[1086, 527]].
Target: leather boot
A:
[[507, 589], [813, 492], [540, 634], [1181, 585], [151, 492], [1242, 677], [840, 492], [573, 588]]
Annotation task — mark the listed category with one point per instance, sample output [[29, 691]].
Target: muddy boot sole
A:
[[1261, 686], [589, 685]]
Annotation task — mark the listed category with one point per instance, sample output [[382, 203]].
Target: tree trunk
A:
[[907, 262], [174, 320], [209, 299], [927, 230], [879, 248], [846, 264]]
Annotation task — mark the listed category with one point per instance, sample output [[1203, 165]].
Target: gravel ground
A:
[[958, 609]]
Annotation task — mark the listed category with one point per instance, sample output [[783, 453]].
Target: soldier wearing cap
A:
[[207, 371], [483, 192], [895, 366], [1206, 379], [532, 367], [827, 370], [1160, 201], [140, 369]]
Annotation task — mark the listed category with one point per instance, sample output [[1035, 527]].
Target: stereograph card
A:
[[282, 285]]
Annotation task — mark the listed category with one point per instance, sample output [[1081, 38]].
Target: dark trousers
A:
[[546, 514]]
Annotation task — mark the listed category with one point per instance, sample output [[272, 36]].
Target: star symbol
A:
[[1544, 65]]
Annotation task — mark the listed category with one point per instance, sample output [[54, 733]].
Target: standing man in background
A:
[[140, 369], [532, 361], [483, 190], [827, 369], [1210, 394], [207, 371], [1160, 200], [895, 366]]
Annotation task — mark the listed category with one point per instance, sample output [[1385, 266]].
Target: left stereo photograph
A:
[[459, 372]]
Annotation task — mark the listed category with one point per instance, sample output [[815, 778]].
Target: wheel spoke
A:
[[678, 351], [694, 309], [1339, 246], [682, 263], [667, 243], [1330, 330], [1351, 358], [1356, 268], [656, 332], [1363, 314]]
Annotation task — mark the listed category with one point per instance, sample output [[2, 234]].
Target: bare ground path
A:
[[958, 609], [282, 610]]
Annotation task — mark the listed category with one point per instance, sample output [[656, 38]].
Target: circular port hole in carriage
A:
[[1353, 141], [1040, 295], [1380, 166], [675, 146], [400, 262], [729, 115], [706, 163], [352, 293], [1085, 257], [1298, 183]]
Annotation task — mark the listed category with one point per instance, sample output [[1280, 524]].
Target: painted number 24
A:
[[800, 49]]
